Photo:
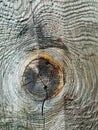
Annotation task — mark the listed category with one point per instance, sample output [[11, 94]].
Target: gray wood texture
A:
[[68, 30]]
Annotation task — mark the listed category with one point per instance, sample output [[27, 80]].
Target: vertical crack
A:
[[45, 88], [43, 102]]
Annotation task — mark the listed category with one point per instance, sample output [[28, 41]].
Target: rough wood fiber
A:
[[70, 26]]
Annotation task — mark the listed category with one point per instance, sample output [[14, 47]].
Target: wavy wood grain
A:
[[69, 26]]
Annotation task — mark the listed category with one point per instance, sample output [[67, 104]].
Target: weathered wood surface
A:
[[68, 24]]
